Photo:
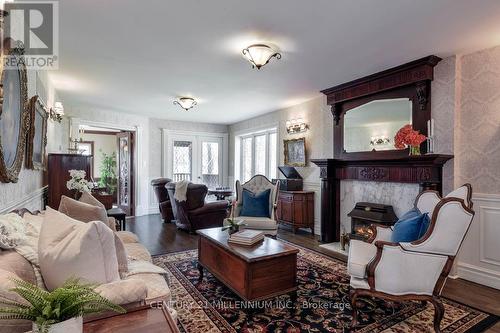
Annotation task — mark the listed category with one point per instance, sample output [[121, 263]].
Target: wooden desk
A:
[[142, 319], [262, 271]]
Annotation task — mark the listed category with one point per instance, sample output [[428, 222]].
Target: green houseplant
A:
[[108, 172], [60, 310]]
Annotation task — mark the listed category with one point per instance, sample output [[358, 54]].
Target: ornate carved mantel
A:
[[411, 81], [425, 170]]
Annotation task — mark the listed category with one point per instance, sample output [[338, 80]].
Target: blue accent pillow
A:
[[410, 227], [255, 204]]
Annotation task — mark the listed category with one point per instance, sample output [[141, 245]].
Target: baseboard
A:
[[32, 201], [479, 275], [153, 210]]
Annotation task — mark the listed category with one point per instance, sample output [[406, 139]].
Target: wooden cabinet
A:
[[296, 208], [58, 174]]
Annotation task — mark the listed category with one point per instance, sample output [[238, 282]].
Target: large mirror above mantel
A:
[[373, 125]]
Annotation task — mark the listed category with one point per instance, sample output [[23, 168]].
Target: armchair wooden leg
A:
[[438, 313], [354, 297]]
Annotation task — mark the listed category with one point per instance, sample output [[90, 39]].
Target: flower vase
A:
[[233, 229], [414, 150], [77, 194]]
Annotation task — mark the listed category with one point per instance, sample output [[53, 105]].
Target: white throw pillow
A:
[[68, 248]]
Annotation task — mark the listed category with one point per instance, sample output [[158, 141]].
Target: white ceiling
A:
[[137, 56]]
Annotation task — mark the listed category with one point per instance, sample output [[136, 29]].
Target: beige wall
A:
[[102, 142], [477, 149]]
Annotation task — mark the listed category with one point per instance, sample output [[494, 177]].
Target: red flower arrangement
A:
[[408, 137]]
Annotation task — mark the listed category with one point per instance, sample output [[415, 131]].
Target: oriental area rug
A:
[[322, 303]]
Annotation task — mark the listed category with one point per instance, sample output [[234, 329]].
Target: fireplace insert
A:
[[365, 214]]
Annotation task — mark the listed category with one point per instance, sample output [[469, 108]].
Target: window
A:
[[182, 160], [258, 154]]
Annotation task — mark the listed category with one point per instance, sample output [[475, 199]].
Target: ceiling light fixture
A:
[[260, 54], [185, 102]]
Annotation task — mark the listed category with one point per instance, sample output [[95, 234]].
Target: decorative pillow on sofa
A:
[[90, 209], [255, 205], [70, 248], [81, 211], [410, 227], [12, 231], [88, 198]]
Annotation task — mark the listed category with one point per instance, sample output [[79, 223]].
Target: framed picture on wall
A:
[[37, 135], [295, 152]]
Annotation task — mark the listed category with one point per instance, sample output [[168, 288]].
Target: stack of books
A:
[[246, 237]]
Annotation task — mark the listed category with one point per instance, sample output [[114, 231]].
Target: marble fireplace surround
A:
[[399, 195]]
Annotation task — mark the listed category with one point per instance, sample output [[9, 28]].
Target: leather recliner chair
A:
[[163, 198], [195, 213]]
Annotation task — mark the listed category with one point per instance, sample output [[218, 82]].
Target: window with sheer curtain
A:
[[258, 155]]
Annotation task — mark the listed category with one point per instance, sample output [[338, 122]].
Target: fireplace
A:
[[365, 214]]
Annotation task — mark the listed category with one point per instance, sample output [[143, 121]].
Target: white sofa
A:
[[132, 291]]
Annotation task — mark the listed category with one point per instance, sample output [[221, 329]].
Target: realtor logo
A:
[[35, 26]]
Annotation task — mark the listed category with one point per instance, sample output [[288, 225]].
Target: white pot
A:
[[73, 325]]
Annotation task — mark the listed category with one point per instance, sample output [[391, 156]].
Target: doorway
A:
[[113, 165], [196, 157]]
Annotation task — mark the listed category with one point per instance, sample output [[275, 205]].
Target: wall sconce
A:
[[379, 140], [56, 112], [294, 126]]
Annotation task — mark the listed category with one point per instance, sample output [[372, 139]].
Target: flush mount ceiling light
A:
[[185, 102], [260, 54]]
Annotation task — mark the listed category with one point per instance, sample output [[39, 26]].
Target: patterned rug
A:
[[322, 303]]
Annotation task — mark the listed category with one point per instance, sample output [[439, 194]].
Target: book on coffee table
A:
[[246, 237]]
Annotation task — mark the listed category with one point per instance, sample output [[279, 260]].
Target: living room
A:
[[264, 167]]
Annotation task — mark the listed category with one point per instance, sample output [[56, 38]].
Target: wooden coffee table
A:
[[255, 273], [141, 319]]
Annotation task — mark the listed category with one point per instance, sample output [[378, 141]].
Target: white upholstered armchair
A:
[[412, 270], [257, 184]]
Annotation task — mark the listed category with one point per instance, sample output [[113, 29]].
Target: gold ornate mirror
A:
[[14, 116]]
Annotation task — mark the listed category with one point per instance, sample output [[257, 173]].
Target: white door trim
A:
[[167, 149], [74, 125]]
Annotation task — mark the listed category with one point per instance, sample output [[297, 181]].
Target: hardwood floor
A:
[[161, 238]]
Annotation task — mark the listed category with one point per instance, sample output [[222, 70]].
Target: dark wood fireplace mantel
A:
[[425, 170]]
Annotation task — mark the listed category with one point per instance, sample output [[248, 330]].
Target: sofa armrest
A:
[[124, 291]]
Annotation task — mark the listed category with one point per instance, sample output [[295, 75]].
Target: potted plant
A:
[[58, 311], [78, 183], [230, 223], [107, 169]]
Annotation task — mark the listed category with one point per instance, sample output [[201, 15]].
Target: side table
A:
[[119, 215]]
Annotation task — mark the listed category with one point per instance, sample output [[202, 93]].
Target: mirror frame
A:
[[15, 49], [411, 80]]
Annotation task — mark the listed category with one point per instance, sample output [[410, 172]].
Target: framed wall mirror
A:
[[372, 126], [37, 135], [14, 116]]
